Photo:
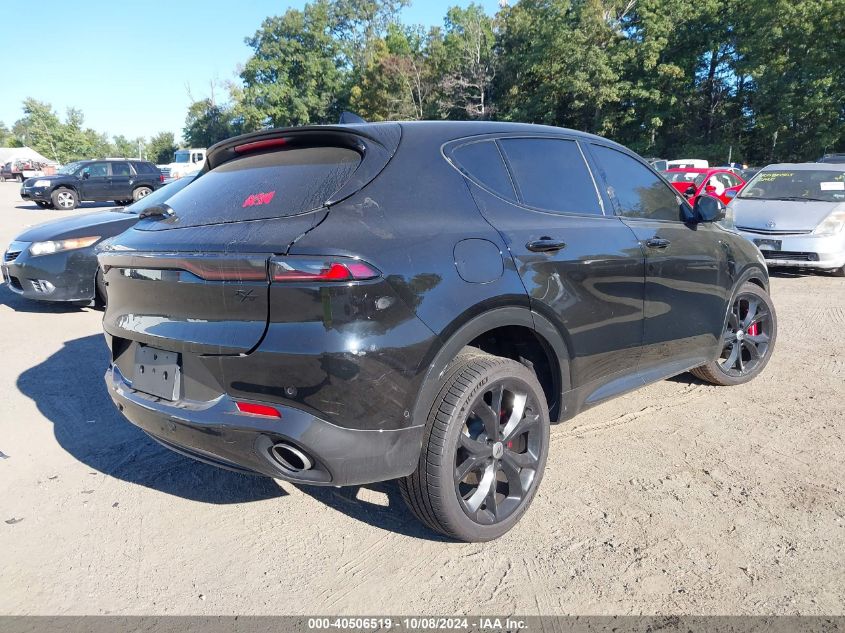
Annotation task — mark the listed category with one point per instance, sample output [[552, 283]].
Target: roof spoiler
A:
[[350, 117]]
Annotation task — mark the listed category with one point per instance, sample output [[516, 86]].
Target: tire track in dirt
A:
[[685, 396]]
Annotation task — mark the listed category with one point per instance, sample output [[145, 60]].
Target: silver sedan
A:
[[795, 214]]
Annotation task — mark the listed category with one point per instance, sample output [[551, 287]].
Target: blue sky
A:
[[128, 66]]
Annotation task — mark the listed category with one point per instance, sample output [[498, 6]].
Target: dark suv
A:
[[123, 181], [349, 304]]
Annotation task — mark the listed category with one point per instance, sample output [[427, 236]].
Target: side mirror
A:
[[86, 175], [709, 209], [730, 193], [690, 191]]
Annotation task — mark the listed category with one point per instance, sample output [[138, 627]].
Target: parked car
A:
[[687, 163], [327, 305], [57, 260], [832, 158], [659, 164], [721, 183], [795, 214], [123, 181], [749, 173]]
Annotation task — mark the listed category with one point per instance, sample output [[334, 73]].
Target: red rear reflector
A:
[[258, 409], [258, 145]]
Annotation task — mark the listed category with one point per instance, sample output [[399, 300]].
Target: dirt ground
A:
[[680, 498]]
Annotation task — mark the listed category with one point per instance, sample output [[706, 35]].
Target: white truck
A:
[[185, 161]]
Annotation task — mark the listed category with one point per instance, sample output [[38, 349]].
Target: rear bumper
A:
[[801, 251], [217, 433]]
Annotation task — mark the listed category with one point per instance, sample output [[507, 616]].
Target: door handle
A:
[[545, 245], [657, 242]]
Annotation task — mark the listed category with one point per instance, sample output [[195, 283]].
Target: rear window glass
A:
[[483, 162], [268, 185]]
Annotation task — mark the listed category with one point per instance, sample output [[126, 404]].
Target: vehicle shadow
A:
[[379, 505], [83, 206], [21, 304], [69, 391]]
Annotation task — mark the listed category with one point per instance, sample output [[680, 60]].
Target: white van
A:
[[687, 163]]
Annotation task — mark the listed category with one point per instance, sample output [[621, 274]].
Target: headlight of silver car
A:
[[57, 246], [832, 224]]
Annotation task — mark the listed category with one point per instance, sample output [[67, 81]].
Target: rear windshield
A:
[[268, 185], [799, 184], [692, 177]]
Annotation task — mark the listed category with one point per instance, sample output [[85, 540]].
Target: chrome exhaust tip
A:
[[290, 457]]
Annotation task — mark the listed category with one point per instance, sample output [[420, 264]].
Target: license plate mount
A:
[[157, 372], [768, 245]]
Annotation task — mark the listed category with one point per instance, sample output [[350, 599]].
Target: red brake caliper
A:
[[754, 329]]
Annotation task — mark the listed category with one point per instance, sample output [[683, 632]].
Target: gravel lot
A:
[[680, 498]]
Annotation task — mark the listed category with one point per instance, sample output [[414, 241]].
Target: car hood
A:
[[103, 223], [787, 215]]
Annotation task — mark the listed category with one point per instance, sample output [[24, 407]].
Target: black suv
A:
[[123, 181], [329, 305]]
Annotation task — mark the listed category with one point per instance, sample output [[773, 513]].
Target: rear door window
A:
[[120, 169], [266, 185], [551, 174]]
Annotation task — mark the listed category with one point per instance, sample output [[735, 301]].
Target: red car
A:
[[720, 183]]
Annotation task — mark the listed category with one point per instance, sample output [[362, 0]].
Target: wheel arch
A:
[[522, 330]]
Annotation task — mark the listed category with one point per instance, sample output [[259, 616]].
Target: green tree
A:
[[467, 64], [297, 69], [40, 129], [208, 123], [161, 147]]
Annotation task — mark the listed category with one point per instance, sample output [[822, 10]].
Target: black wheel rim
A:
[[499, 449], [747, 335]]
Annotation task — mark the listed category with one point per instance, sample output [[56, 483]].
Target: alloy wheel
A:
[[498, 452], [64, 200], [747, 336]]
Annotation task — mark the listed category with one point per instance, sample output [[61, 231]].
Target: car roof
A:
[[806, 166]]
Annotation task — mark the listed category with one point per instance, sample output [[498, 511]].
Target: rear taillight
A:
[[325, 269], [161, 177]]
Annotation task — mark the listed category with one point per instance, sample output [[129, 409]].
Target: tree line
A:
[[757, 80]]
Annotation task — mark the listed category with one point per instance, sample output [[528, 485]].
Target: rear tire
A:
[[141, 192], [484, 450], [839, 272], [748, 339], [65, 199]]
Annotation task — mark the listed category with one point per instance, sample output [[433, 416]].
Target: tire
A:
[[65, 199], [19, 178], [461, 473], [839, 272], [140, 192], [744, 355]]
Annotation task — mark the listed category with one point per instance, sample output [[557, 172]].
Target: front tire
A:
[[747, 341], [484, 451], [65, 199]]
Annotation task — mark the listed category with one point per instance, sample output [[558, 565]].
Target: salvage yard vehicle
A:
[[123, 181], [57, 260], [20, 170], [795, 214], [721, 183], [326, 305]]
